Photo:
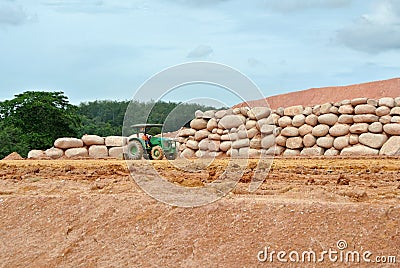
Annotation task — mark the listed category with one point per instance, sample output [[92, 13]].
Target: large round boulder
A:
[[185, 132], [320, 130], [211, 124], [331, 152], [298, 120], [66, 143], [339, 130], [290, 132], [117, 152], [346, 109], [392, 129], [194, 145], [358, 101], [54, 153], [208, 114], [36, 154], [231, 121], [395, 111], [311, 120], [293, 110], [388, 102], [383, 110], [291, 152], [325, 108], [325, 142], [241, 143], [341, 142], [98, 151], [76, 152], [187, 153], [386, 119], [201, 134], [294, 143], [359, 128], [281, 140], [309, 140], [372, 140], [345, 119], [364, 109], [257, 113], [305, 129], [365, 118], [375, 127], [89, 140], [312, 151], [225, 146], [284, 121], [391, 146], [198, 123], [268, 142], [328, 119], [219, 114], [359, 150], [250, 124], [116, 141]]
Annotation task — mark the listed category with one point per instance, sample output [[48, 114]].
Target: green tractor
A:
[[140, 144]]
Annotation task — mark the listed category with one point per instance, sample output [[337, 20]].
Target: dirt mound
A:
[[13, 156], [314, 96], [92, 214]]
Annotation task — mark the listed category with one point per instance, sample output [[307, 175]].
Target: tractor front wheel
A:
[[135, 150], [157, 153]]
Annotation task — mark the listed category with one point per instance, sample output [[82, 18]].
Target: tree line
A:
[[34, 119]]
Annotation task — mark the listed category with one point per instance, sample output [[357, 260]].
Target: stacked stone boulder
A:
[[360, 126], [239, 132], [89, 146]]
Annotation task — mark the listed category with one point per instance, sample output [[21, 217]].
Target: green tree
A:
[[106, 117], [34, 119]]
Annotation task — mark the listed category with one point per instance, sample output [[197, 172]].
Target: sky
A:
[[106, 49]]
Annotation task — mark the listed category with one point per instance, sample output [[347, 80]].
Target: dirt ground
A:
[[91, 213]]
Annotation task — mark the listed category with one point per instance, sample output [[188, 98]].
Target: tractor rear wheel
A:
[[135, 150], [157, 153]]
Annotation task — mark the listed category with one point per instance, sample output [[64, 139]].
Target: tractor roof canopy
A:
[[146, 127]]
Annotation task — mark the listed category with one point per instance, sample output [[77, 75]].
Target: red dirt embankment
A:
[[71, 213], [314, 96]]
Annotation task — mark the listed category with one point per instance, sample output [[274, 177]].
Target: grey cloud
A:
[[295, 5], [13, 15], [371, 38], [201, 51], [375, 32]]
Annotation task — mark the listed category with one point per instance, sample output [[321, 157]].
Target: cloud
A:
[[95, 6], [201, 51], [296, 5], [11, 14], [375, 32]]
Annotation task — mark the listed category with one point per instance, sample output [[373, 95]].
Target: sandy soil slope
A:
[[87, 213], [314, 96]]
